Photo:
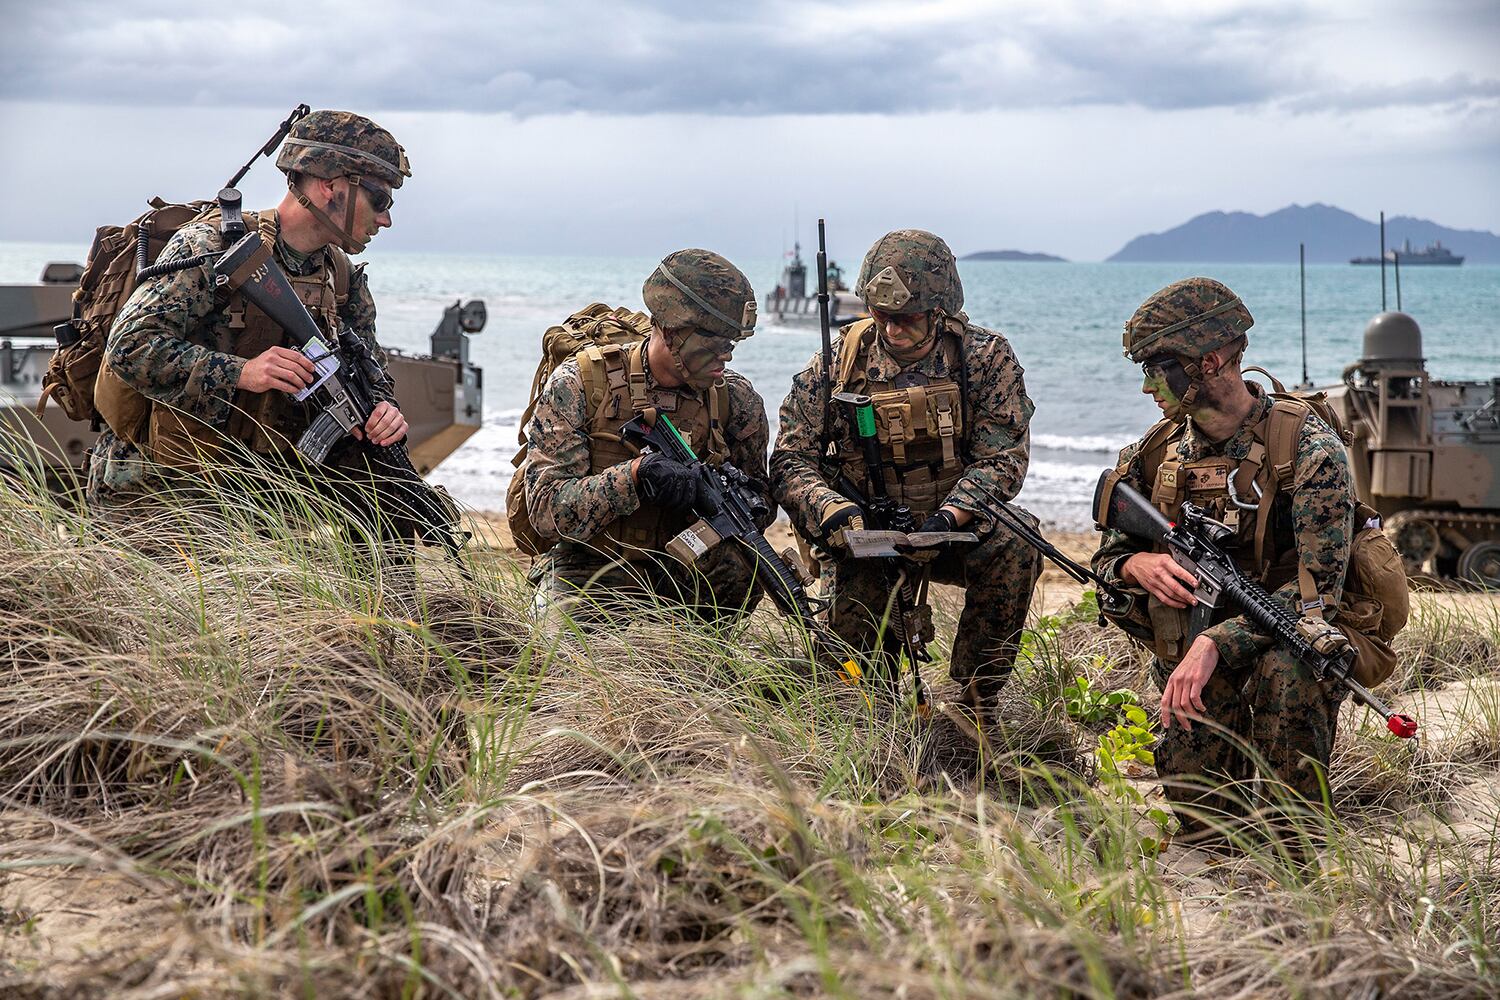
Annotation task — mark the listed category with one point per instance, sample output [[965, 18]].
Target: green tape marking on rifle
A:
[[729, 508], [677, 436]]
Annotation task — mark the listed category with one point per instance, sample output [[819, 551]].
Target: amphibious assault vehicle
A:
[[1426, 453], [441, 394]]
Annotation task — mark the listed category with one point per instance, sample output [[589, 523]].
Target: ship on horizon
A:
[[1435, 254]]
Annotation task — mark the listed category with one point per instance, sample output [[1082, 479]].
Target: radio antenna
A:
[[1302, 283], [1382, 262], [1396, 260]]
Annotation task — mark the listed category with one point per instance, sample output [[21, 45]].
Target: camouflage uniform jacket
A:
[[1316, 515], [565, 500], [172, 342], [997, 435]]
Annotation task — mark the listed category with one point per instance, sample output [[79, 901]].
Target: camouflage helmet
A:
[[1188, 318], [340, 144], [701, 289], [910, 271]]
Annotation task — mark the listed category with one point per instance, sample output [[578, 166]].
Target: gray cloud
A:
[[669, 56]]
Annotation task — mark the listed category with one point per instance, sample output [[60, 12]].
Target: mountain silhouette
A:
[[1332, 235]]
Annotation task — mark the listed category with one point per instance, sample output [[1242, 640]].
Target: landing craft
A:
[[441, 394], [790, 304]]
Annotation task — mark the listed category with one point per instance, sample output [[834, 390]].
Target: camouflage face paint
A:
[[703, 356], [1167, 382]]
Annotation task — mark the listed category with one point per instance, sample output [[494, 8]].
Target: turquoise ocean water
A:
[[1064, 321]]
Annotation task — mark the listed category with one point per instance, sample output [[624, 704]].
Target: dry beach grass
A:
[[241, 762]]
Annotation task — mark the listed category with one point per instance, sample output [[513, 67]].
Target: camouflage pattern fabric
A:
[[699, 288], [1257, 692], [565, 499], [172, 341], [340, 143], [1000, 572], [910, 271], [998, 576], [717, 589], [1188, 318], [1276, 710], [999, 419]]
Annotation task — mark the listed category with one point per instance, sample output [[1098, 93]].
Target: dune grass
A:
[[249, 760]]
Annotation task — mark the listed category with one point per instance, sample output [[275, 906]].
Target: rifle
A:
[[727, 509], [346, 388], [1195, 544], [912, 618], [1113, 602]]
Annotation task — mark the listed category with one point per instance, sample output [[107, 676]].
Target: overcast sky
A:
[[581, 127]]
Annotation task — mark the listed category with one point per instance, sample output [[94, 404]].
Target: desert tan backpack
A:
[[594, 325], [109, 276]]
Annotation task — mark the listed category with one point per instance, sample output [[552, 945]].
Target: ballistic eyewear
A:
[[381, 198]]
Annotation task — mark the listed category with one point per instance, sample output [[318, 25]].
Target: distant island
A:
[[1332, 235], [1012, 255]]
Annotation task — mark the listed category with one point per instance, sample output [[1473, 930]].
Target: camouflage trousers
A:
[[998, 576], [1275, 711], [593, 586]]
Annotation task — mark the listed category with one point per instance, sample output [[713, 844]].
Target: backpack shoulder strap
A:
[[1153, 448], [1284, 428], [342, 267], [1279, 432], [851, 350], [1159, 473], [718, 422], [1276, 385]]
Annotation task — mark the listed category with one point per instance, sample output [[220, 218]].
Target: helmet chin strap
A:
[[343, 235]]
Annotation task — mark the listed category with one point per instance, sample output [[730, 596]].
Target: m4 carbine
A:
[[348, 384], [727, 509], [1195, 543]]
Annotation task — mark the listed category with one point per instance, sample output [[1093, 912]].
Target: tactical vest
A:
[[920, 427], [614, 386], [264, 422], [1375, 602]]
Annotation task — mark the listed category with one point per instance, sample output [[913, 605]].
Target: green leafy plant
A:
[[1131, 740], [1089, 705]]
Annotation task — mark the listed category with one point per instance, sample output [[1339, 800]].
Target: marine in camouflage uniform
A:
[[953, 419], [186, 347], [611, 510], [1190, 336]]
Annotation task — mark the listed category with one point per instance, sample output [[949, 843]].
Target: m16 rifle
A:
[[1196, 544], [727, 509], [348, 384], [892, 532]]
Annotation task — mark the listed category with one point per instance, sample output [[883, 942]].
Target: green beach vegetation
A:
[[238, 759]]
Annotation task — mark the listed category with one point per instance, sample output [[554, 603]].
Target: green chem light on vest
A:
[[864, 417]]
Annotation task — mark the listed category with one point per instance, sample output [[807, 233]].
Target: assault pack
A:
[[120, 258], [1376, 602], [595, 325]]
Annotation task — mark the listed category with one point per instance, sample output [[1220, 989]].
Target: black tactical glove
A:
[[839, 516], [943, 520], [666, 482]]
